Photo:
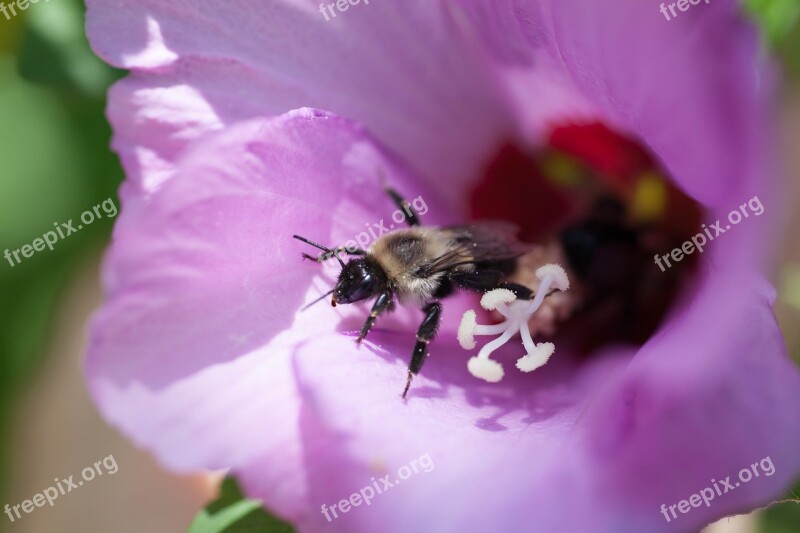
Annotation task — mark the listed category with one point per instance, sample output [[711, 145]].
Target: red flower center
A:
[[603, 200]]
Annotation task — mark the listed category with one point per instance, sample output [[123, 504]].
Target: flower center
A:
[[599, 204]]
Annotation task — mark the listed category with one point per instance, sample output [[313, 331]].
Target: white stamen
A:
[[517, 313], [559, 275], [486, 369], [493, 299], [466, 330], [536, 358]]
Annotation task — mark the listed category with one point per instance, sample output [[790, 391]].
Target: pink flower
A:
[[200, 353]]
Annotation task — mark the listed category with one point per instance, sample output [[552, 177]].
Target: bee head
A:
[[359, 279]]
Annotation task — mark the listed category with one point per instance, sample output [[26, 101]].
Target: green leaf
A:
[[777, 18], [55, 51], [232, 512], [782, 517], [10, 34], [779, 21]]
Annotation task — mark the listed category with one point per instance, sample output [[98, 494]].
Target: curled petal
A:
[[190, 354]]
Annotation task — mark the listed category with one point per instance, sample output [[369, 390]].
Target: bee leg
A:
[[324, 256], [477, 280], [383, 303], [425, 334], [487, 280], [410, 215], [521, 291]]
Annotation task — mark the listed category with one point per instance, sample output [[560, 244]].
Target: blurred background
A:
[[55, 163]]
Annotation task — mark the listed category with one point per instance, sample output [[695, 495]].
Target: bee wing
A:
[[476, 243]]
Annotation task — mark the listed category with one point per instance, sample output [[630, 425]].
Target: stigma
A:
[[516, 313]]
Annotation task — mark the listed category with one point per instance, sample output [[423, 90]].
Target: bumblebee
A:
[[419, 266]]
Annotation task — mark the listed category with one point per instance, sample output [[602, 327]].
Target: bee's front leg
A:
[[324, 256], [520, 291], [383, 303]]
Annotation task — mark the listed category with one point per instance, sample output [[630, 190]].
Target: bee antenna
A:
[[317, 300], [338, 258], [382, 178], [320, 247], [312, 243]]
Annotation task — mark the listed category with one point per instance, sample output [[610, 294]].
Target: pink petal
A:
[[695, 89], [594, 448], [404, 71], [190, 354]]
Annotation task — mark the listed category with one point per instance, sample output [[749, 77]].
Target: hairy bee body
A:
[[403, 256]]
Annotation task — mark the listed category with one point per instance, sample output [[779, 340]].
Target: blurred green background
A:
[[55, 163]]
